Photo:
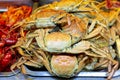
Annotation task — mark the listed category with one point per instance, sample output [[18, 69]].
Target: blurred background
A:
[[34, 3]]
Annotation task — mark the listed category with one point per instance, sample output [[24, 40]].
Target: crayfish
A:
[[7, 38]]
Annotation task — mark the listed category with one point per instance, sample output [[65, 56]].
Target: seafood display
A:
[[7, 39], [70, 36]]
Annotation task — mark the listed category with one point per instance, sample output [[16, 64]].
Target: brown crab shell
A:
[[64, 65], [58, 40]]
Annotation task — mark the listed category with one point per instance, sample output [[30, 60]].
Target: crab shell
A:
[[64, 65], [58, 40], [44, 17]]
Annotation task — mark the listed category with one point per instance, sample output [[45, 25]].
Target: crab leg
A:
[[20, 42], [44, 59], [23, 69], [79, 47], [33, 64], [118, 47], [94, 32], [40, 38], [110, 74], [20, 62], [102, 53], [101, 63], [82, 64], [21, 52], [90, 53]]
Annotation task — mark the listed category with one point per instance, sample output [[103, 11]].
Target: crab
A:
[[62, 65], [43, 18], [68, 65], [69, 27], [71, 30]]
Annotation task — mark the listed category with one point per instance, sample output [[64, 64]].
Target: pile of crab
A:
[[69, 36]]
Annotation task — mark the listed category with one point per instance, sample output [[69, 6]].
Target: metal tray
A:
[[81, 74], [7, 74], [6, 3], [3, 9]]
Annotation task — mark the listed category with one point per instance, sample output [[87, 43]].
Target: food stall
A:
[[59, 39]]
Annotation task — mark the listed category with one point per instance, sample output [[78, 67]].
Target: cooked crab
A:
[[45, 18], [71, 29], [62, 65], [69, 65]]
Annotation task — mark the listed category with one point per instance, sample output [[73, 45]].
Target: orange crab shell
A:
[[64, 65]]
